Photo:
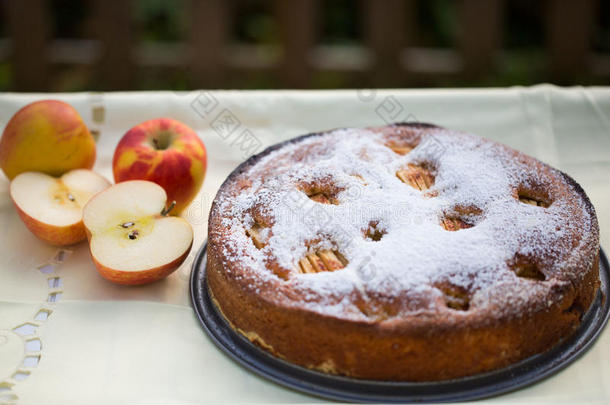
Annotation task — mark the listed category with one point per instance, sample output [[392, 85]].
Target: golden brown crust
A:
[[399, 338], [397, 350]]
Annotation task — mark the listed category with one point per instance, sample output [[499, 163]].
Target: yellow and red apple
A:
[[166, 152], [52, 208], [131, 238], [47, 136]]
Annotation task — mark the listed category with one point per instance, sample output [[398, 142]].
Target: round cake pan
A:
[[328, 386]]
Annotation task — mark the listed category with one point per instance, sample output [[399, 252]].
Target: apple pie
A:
[[407, 252]]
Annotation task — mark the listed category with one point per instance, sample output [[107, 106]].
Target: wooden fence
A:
[[386, 56]]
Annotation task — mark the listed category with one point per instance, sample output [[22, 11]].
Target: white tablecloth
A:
[[103, 343]]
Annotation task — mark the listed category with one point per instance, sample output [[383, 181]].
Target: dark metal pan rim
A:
[[519, 375]]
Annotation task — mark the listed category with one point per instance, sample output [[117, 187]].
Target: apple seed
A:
[[127, 224], [133, 234]]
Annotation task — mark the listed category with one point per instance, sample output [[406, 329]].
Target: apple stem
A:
[[166, 211]]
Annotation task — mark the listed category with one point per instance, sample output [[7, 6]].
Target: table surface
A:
[[68, 336]]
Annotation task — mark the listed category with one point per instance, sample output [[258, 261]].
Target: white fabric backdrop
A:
[[103, 343]]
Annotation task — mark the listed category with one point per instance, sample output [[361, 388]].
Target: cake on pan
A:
[[407, 252]]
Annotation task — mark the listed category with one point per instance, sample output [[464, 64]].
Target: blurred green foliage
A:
[[161, 20], [341, 23], [438, 23], [253, 23]]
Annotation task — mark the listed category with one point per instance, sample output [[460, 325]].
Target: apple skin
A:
[[46, 136], [54, 234], [58, 236], [139, 277], [140, 209], [179, 168]]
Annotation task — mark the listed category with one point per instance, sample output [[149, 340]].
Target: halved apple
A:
[[52, 208], [131, 238]]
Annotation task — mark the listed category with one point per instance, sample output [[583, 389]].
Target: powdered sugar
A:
[[475, 179]]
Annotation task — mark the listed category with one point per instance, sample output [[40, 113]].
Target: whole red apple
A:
[[166, 152]]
